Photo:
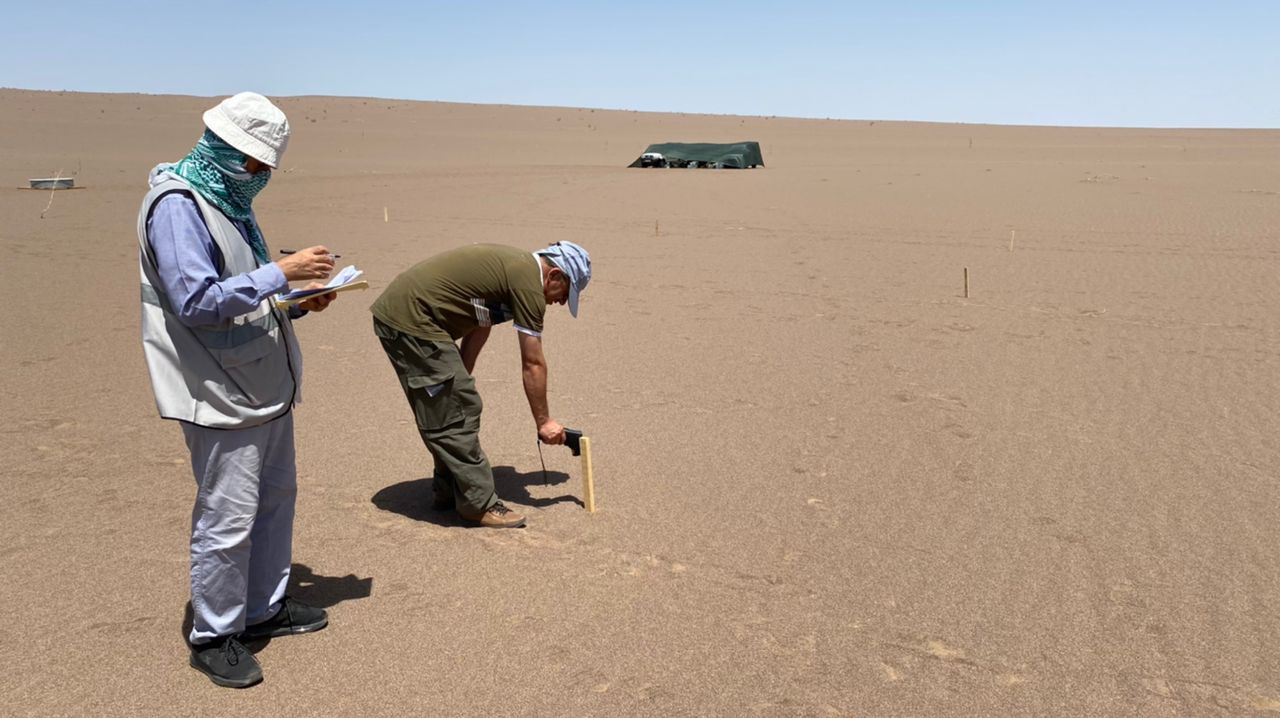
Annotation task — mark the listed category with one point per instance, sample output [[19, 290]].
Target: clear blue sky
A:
[[1088, 62]]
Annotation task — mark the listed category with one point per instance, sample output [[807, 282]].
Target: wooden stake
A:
[[1012, 232], [385, 218], [588, 481], [966, 282]]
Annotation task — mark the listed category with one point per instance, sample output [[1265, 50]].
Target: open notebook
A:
[[348, 278]]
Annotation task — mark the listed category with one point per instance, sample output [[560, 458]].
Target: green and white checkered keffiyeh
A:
[[216, 170]]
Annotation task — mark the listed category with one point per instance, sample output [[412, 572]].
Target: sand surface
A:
[[828, 483]]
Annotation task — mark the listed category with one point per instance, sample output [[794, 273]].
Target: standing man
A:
[[462, 294], [224, 362]]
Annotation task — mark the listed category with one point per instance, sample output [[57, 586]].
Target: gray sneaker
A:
[[227, 662]]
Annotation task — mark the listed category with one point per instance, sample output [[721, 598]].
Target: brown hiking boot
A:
[[498, 517]]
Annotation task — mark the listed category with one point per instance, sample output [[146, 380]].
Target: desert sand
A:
[[828, 482]]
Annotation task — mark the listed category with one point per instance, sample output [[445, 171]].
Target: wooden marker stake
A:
[[966, 282], [385, 218], [588, 482], [1012, 233]]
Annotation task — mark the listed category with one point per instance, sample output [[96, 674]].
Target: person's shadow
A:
[[320, 591], [310, 588], [412, 499]]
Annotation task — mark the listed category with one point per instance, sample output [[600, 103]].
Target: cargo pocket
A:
[[435, 405], [254, 369]]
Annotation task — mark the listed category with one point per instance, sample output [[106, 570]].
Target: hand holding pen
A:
[[292, 251], [310, 263]]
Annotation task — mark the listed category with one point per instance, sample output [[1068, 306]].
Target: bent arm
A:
[[471, 346], [189, 265], [535, 388]]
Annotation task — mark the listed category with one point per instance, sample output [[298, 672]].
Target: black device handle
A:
[[572, 439]]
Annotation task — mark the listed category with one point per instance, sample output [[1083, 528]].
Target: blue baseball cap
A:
[[574, 261]]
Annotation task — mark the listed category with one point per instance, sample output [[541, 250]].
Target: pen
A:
[[291, 251]]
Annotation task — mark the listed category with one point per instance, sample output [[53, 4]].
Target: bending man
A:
[[462, 294]]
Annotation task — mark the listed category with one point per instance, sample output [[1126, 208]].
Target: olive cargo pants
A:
[[446, 408]]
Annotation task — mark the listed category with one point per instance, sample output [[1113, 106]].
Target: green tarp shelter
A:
[[737, 155]]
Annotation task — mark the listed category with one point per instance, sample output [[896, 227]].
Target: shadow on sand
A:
[[310, 588], [412, 499]]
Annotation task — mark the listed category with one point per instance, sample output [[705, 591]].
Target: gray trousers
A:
[[242, 524], [446, 408]]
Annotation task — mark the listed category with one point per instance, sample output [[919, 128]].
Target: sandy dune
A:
[[828, 483]]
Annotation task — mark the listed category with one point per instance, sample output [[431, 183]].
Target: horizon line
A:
[[1222, 128]]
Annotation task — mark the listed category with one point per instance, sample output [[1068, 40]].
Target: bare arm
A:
[[535, 388], [471, 346]]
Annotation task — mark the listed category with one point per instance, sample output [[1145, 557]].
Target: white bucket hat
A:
[[250, 123]]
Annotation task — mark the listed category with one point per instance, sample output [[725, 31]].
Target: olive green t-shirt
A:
[[445, 297]]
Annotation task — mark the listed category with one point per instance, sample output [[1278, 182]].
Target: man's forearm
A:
[[535, 388]]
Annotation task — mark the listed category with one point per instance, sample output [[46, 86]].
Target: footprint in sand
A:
[[1125, 594], [1263, 703], [632, 565], [942, 651], [936, 649], [652, 692], [949, 399], [1158, 686]]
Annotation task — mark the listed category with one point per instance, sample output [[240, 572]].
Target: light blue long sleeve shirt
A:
[[190, 263]]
